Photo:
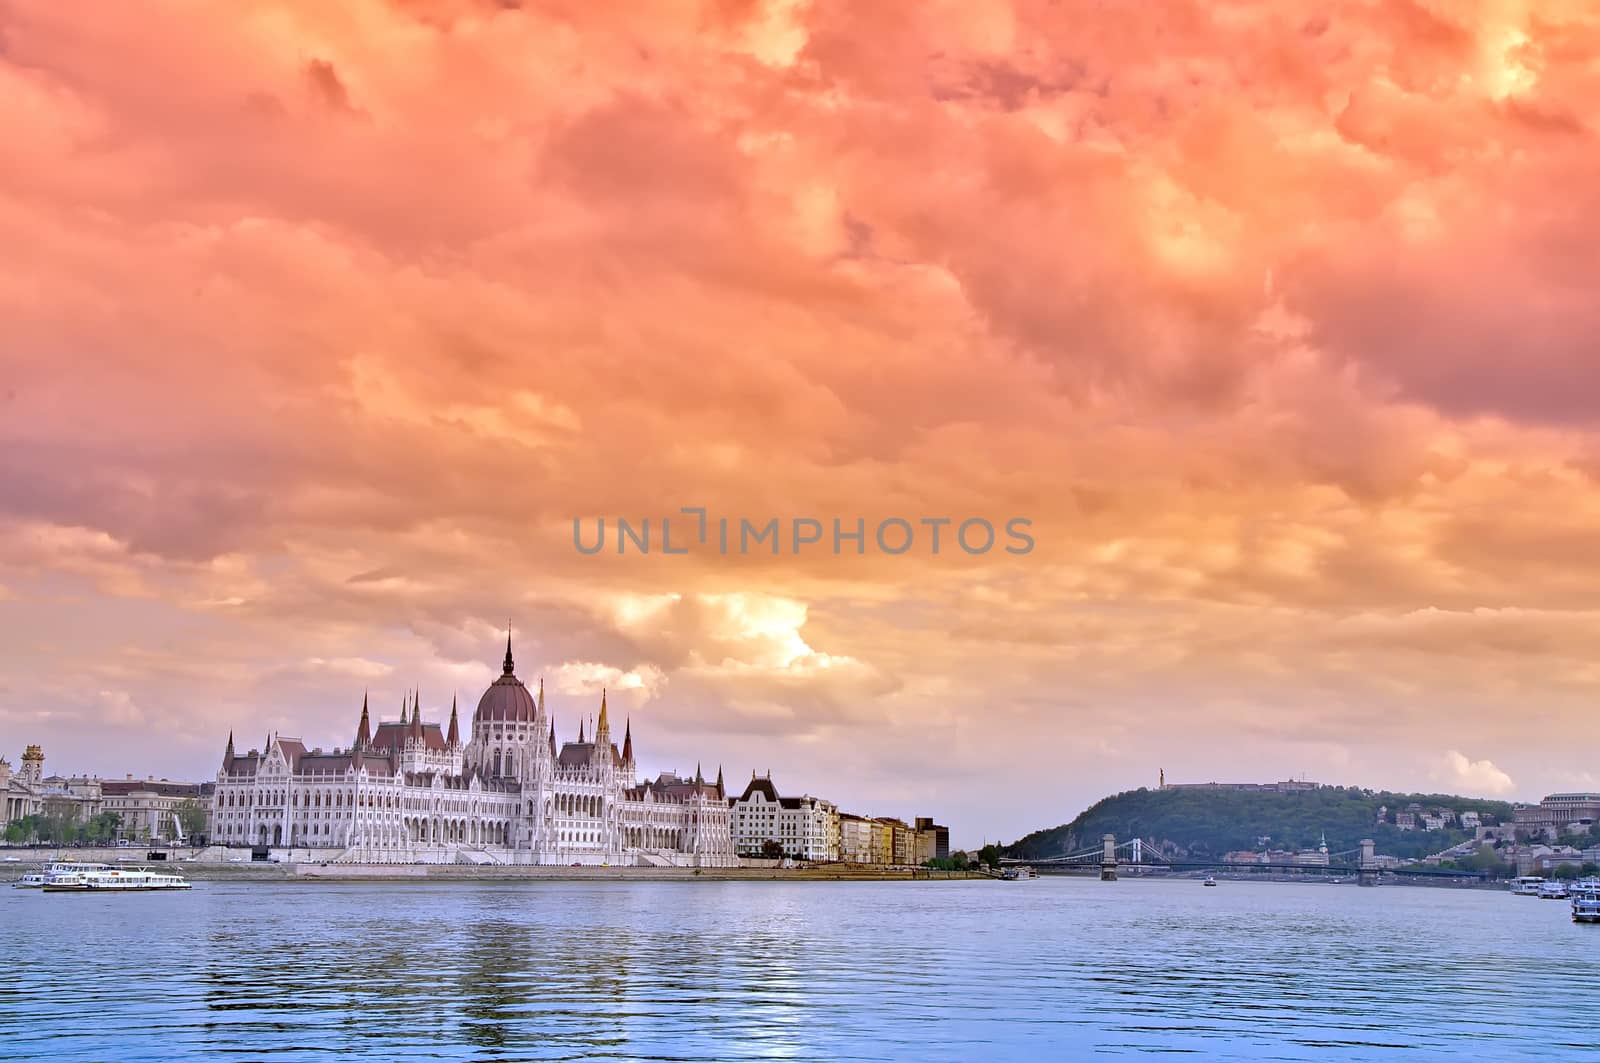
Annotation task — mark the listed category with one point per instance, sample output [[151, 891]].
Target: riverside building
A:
[[806, 827], [413, 791]]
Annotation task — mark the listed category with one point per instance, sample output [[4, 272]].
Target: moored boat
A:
[[1209, 881], [115, 880], [1553, 890], [1586, 901], [1527, 885], [34, 880], [1026, 873]]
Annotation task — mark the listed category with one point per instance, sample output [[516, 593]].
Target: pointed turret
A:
[[416, 717], [719, 780], [580, 730], [541, 694], [405, 706], [227, 754], [552, 736], [603, 728], [699, 780], [627, 742], [364, 728], [454, 737], [510, 665]]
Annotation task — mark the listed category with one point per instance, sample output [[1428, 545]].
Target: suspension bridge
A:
[[1111, 857]]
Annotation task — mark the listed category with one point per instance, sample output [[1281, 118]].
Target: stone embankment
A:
[[202, 869]]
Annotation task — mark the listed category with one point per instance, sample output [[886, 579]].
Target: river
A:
[[1050, 969]]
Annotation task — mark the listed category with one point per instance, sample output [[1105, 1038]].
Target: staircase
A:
[[476, 856]]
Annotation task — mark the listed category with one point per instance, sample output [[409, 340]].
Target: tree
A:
[[1564, 871], [956, 861], [21, 830], [772, 850], [102, 828], [192, 816], [989, 854]]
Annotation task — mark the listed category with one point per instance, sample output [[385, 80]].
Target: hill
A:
[[1209, 823]]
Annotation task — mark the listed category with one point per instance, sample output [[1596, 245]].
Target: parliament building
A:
[[411, 791]]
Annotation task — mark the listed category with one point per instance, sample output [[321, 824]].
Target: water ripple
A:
[[806, 971]]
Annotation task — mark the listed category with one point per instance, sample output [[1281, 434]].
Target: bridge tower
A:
[[1108, 859], [1368, 874]]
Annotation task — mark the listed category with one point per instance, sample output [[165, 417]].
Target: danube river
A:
[[1051, 969]]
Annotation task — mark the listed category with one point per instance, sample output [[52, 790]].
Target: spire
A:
[[603, 728], [627, 741], [405, 706], [510, 665], [454, 737], [416, 716], [364, 728], [552, 736], [541, 693], [719, 780], [698, 778], [580, 730], [227, 754]]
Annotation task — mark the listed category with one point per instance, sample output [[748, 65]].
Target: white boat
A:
[[1553, 890], [1209, 881], [36, 879], [1026, 873], [115, 880], [1586, 900], [1527, 885]]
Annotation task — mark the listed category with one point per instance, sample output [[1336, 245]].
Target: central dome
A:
[[506, 699]]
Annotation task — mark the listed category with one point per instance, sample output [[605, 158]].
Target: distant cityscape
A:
[[416, 791], [1535, 841]]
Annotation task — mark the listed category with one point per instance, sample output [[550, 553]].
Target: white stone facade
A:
[[807, 828], [411, 792]]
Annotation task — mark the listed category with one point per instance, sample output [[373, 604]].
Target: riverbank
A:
[[263, 871]]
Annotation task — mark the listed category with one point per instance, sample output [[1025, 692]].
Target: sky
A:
[[321, 324]]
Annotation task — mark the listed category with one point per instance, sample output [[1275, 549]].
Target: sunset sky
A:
[[320, 323]]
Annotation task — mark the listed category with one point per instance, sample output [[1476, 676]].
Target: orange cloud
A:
[[323, 322]]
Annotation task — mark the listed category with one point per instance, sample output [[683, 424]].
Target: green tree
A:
[[772, 849], [192, 816], [1565, 871], [102, 828], [989, 854]]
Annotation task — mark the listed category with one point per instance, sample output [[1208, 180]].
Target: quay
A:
[[211, 865]]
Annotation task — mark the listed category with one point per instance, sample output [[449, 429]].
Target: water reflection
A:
[[644, 971]]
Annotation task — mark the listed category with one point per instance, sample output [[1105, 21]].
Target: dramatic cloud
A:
[[1473, 776], [323, 322]]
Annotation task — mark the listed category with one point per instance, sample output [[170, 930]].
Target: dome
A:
[[506, 699]]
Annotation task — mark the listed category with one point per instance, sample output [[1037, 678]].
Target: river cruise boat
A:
[[1025, 873], [34, 880], [1586, 901], [1553, 890], [1527, 885], [115, 880]]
